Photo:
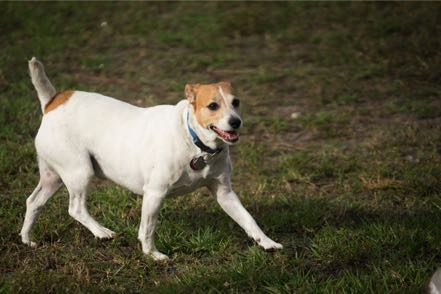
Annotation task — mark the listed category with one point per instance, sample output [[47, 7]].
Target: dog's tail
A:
[[44, 88]]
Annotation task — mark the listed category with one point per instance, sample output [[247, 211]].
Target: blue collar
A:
[[198, 141]]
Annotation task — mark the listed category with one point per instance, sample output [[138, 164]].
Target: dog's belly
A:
[[187, 182], [181, 190], [131, 181]]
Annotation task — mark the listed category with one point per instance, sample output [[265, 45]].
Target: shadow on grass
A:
[[325, 241]]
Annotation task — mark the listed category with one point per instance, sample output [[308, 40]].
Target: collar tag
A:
[[198, 163]]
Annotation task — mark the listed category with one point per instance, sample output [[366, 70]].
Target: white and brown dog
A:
[[155, 152]]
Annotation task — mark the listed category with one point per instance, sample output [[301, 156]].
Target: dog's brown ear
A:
[[225, 85], [191, 91]]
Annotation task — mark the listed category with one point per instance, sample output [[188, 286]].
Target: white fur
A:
[[40, 81], [230, 112], [435, 283], [146, 150]]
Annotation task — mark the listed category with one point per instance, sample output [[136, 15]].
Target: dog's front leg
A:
[[151, 205], [231, 204]]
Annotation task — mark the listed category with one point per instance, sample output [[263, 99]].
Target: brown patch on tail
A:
[[57, 100]]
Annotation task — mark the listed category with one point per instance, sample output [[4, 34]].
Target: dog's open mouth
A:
[[229, 136]]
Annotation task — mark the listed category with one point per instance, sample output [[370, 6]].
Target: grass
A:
[[350, 184]]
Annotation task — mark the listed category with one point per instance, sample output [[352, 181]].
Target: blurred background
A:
[[339, 158]]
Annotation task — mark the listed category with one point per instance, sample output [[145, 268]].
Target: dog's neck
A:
[[207, 137]]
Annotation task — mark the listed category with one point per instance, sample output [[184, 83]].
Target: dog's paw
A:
[[29, 243], [104, 233], [270, 245], [158, 256]]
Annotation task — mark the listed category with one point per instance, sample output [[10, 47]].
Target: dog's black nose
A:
[[235, 122]]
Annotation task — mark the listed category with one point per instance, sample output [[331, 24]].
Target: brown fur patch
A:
[[200, 96], [57, 100]]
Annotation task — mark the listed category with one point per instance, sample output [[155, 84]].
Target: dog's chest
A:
[[190, 180]]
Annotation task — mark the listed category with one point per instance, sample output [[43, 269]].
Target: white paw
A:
[[104, 233], [158, 256], [269, 244], [29, 242]]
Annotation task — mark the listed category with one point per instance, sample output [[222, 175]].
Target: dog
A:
[[156, 152]]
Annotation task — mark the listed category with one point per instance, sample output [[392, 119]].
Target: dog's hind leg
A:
[[49, 183], [77, 180]]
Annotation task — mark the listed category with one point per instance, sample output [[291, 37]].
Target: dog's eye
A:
[[213, 106], [236, 103]]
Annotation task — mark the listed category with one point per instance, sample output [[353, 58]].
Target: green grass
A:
[[350, 184]]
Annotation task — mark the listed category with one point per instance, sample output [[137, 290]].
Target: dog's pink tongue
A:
[[229, 136]]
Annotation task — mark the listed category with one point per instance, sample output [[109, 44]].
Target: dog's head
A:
[[216, 109]]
